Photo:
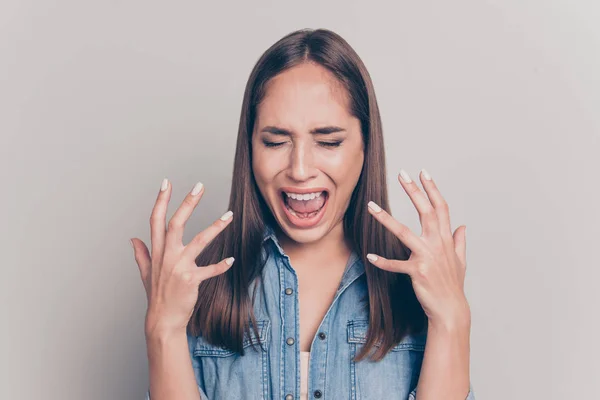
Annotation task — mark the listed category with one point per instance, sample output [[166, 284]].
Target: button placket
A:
[[289, 300], [320, 347]]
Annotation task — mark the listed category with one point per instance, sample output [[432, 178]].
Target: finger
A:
[[439, 203], [157, 226], [401, 231], [427, 214], [142, 258], [405, 267], [177, 223], [201, 240], [203, 273], [460, 244]]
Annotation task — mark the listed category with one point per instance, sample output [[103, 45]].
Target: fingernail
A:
[[373, 206], [229, 261], [165, 184], [426, 174], [227, 215], [197, 188], [131, 242], [372, 257], [405, 176]]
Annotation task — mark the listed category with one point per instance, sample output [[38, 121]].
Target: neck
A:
[[331, 247]]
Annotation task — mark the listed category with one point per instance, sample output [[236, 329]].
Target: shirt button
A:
[[289, 291], [317, 394], [322, 336], [290, 341], [289, 397]]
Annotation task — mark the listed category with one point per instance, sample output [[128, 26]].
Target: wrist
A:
[[457, 318], [163, 336], [164, 345], [157, 328]]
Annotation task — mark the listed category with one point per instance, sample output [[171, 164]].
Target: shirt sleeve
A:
[[470, 396], [195, 365]]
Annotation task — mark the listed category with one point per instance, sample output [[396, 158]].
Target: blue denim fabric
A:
[[273, 370]]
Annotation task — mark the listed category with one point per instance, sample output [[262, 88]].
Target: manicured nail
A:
[[197, 188], [229, 261], [164, 185], [373, 206], [226, 216], [372, 257], [405, 176], [426, 174]]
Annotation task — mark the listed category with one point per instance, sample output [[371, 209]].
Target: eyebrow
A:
[[325, 130]]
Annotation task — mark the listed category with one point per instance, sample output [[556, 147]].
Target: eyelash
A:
[[324, 144]]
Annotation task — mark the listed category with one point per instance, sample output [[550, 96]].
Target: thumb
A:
[[142, 258], [460, 244]]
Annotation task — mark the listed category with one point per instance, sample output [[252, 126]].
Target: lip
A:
[[303, 223]]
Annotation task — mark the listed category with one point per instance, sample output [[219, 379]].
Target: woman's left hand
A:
[[437, 262]]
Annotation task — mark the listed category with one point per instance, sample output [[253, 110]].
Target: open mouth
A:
[[304, 209]]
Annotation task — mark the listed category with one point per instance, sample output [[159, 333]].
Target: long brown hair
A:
[[224, 308]]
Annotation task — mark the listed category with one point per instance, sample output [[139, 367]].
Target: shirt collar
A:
[[354, 267], [269, 234]]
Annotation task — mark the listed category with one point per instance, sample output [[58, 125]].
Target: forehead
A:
[[304, 95]]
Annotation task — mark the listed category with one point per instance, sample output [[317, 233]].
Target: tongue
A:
[[306, 206]]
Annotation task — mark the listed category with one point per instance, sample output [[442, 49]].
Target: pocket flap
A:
[[357, 333], [204, 348]]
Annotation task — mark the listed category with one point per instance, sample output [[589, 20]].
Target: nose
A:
[[302, 166]]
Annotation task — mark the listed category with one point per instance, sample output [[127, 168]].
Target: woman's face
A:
[[307, 151]]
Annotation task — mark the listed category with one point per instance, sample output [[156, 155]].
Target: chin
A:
[[304, 236]]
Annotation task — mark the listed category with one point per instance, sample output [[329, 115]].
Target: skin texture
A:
[[301, 100], [171, 278], [306, 97], [437, 267]]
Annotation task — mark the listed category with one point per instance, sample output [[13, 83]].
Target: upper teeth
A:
[[305, 196]]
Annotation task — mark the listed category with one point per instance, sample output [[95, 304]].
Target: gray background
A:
[[101, 100]]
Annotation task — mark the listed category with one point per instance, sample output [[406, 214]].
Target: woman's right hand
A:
[[169, 273]]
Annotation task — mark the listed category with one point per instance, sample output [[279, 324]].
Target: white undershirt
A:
[[304, 356]]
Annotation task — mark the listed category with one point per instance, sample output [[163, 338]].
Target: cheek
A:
[[264, 167], [257, 168], [343, 167], [342, 159]]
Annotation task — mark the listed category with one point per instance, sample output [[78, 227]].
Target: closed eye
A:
[[324, 144], [272, 144], [331, 144]]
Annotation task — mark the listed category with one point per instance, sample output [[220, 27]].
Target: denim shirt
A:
[[273, 370]]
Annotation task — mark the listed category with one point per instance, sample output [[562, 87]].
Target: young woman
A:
[[329, 296]]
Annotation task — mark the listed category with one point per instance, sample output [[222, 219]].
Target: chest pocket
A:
[[391, 378], [226, 374]]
